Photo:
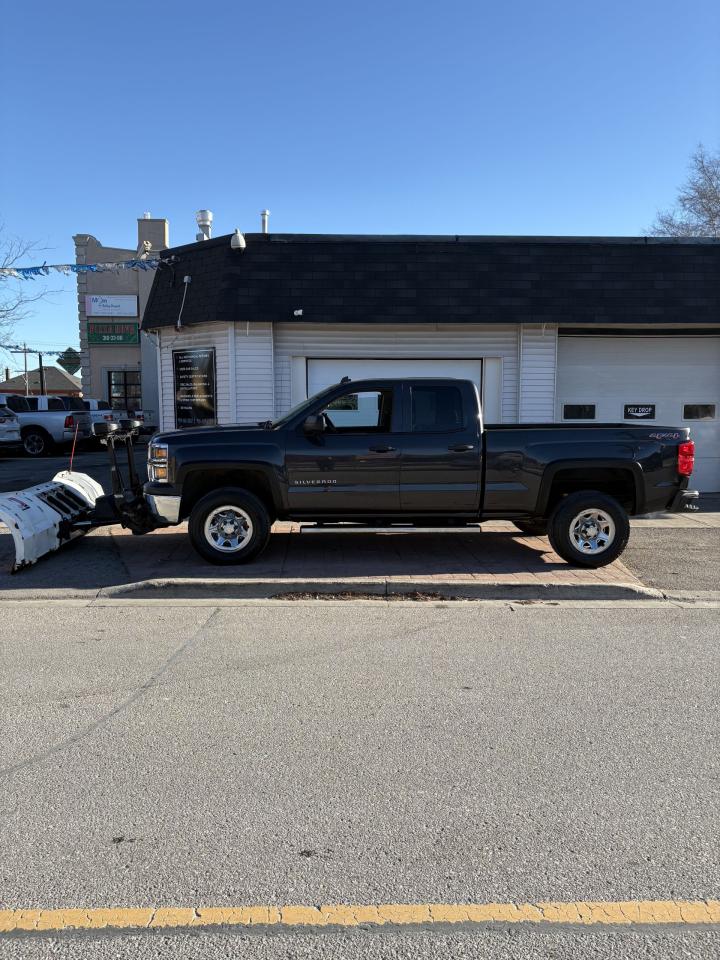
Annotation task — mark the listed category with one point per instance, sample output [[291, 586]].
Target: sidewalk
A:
[[496, 560]]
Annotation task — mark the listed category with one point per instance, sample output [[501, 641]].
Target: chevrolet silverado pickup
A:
[[414, 452]]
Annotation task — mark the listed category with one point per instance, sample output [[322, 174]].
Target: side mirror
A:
[[104, 427], [314, 424]]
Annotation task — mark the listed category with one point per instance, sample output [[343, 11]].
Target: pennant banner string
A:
[[30, 273]]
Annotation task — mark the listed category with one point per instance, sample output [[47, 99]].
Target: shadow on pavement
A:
[[108, 558]]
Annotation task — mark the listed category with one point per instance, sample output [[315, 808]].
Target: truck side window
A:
[[55, 403], [369, 411], [436, 409]]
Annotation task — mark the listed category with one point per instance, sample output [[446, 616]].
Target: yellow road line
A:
[[587, 913]]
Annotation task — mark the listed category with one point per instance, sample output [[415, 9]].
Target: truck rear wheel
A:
[[589, 529], [36, 442], [229, 525]]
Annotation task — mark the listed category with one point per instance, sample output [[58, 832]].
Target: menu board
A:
[[195, 396]]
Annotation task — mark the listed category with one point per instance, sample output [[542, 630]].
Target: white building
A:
[[551, 329]]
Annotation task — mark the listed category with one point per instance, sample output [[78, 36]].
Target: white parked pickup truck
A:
[[47, 421], [9, 427]]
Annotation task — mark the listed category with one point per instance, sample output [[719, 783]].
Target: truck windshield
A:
[[297, 410]]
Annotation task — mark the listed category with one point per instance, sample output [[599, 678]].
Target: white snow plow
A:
[[44, 517]]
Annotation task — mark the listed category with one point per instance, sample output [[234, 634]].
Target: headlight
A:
[[158, 463]]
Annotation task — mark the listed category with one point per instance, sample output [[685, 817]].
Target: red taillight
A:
[[107, 416], [69, 422], [686, 458]]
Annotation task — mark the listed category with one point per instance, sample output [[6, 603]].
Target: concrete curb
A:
[[261, 589]]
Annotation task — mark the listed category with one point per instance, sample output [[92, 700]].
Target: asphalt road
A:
[[17, 472], [363, 753], [675, 558]]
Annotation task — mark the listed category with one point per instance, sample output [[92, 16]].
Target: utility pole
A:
[[27, 385], [41, 371]]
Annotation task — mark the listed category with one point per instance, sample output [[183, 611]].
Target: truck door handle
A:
[[383, 449], [461, 447]]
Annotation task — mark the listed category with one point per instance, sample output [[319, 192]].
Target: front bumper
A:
[[166, 509], [684, 500]]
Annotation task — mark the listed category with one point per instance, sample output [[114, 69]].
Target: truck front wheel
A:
[[589, 529], [229, 525]]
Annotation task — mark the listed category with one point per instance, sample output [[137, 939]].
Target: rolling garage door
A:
[[668, 381], [323, 373]]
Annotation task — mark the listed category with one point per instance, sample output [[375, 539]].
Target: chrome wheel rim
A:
[[228, 529], [34, 444], [592, 531]]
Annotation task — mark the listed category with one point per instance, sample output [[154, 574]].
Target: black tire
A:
[[565, 528], [245, 511], [36, 442], [533, 528]]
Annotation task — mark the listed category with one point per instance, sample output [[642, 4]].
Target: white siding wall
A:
[[203, 335], [251, 358], [244, 369], [294, 340], [538, 361], [254, 365]]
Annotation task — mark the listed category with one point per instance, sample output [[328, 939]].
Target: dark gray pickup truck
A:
[[382, 452]]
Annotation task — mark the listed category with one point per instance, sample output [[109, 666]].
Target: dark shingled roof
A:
[[369, 279]]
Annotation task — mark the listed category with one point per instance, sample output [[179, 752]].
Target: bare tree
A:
[[697, 213], [17, 296]]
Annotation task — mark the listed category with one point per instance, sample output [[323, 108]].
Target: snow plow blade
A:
[[44, 517]]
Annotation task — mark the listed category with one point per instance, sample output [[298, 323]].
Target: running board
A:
[[41, 518], [406, 528]]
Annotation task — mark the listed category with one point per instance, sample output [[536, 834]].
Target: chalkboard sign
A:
[[639, 411], [195, 397]]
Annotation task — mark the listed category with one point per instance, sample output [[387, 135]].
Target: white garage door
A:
[[323, 373], [675, 379]]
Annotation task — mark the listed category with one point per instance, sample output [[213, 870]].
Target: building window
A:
[[578, 411], [124, 390], [698, 411]]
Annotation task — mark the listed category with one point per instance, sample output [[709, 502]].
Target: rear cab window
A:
[[17, 404], [436, 409], [72, 403]]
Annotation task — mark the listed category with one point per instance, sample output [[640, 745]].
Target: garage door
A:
[[668, 381], [323, 373]]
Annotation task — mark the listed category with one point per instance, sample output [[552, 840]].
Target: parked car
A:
[[415, 452], [9, 428], [46, 421], [100, 411]]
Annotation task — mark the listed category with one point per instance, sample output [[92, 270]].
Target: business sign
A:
[[195, 396], [112, 333], [111, 305], [639, 411]]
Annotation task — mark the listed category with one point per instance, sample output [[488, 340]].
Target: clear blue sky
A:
[[461, 116]]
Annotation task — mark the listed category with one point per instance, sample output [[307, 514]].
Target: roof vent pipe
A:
[[264, 214], [204, 219]]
